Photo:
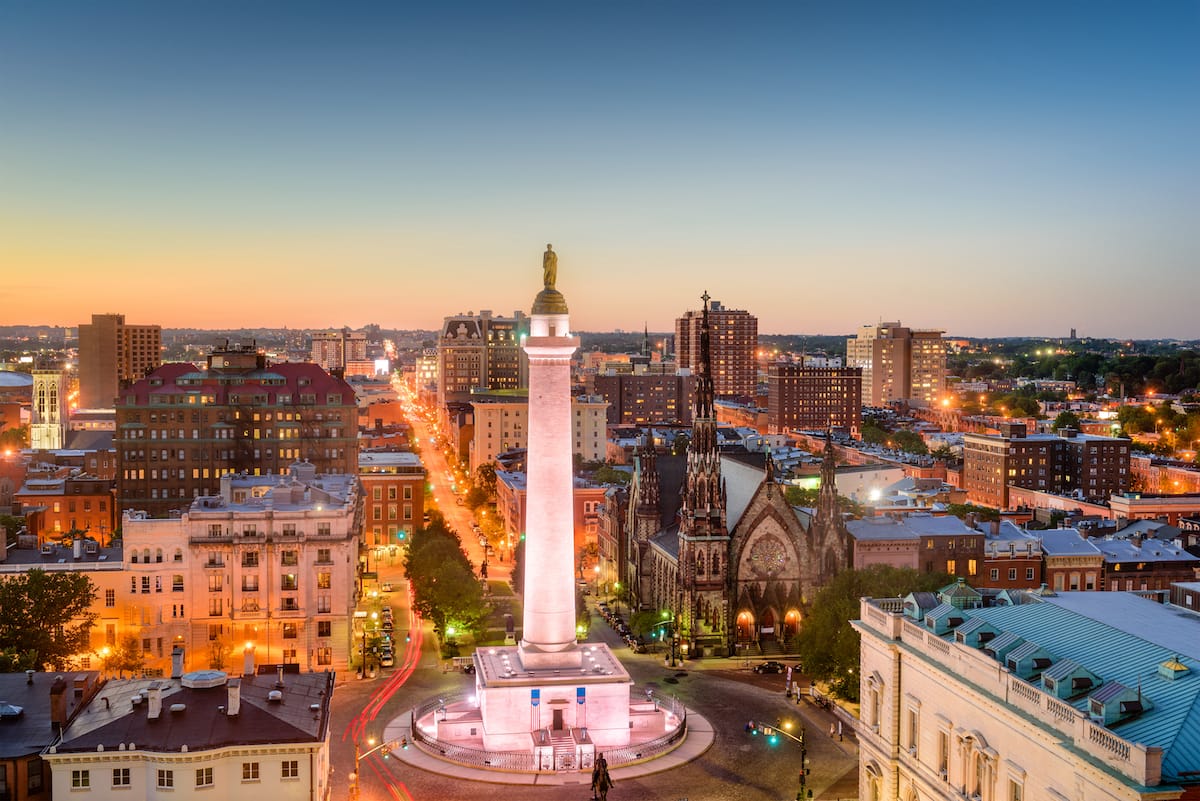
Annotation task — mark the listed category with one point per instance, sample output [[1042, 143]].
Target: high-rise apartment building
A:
[[112, 355], [733, 342], [481, 352], [1089, 466], [898, 363], [180, 429], [813, 397], [334, 350]]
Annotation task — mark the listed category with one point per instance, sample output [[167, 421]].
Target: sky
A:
[[988, 168]]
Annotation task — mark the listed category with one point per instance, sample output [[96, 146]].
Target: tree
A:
[[679, 446], [943, 452], [48, 615], [1066, 419], [485, 478], [909, 442], [982, 513], [829, 647], [15, 437], [125, 657], [443, 581], [607, 474]]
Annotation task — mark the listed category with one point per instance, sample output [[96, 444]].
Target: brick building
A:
[[180, 428], [112, 355], [1088, 466], [814, 398], [642, 398], [733, 343], [393, 485]]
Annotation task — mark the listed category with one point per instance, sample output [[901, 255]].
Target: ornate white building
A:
[[269, 561], [1082, 696]]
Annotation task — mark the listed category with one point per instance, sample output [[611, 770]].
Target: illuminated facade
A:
[[898, 363]]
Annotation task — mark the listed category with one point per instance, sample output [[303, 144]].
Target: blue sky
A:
[[988, 168]]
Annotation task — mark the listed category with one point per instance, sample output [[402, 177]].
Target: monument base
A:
[[527, 704]]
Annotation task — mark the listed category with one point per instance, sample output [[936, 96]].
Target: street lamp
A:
[[385, 746]]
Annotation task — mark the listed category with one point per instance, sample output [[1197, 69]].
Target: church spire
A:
[[649, 495], [645, 339]]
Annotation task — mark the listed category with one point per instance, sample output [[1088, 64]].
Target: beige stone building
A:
[[502, 424], [1033, 697], [898, 363]]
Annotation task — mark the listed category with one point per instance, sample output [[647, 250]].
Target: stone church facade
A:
[[728, 586]]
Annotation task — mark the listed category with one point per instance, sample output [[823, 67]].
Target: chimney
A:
[[279, 679], [58, 704], [234, 705], [177, 662], [77, 549], [154, 701], [995, 525], [248, 660], [970, 520]]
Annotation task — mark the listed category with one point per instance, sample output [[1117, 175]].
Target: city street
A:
[[738, 766]]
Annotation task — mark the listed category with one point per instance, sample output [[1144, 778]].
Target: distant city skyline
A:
[[998, 169]]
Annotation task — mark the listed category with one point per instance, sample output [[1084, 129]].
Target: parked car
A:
[[387, 587], [387, 624], [468, 669], [770, 666], [387, 660]]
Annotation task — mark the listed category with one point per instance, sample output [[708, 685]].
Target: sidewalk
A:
[[699, 738]]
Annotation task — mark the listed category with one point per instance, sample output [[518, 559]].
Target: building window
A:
[[1016, 790], [289, 631], [1029, 574], [288, 582], [120, 777], [215, 582], [324, 581], [81, 779], [323, 556], [291, 769], [288, 558], [1012, 574], [214, 607], [250, 559], [323, 604], [249, 771], [110, 598], [995, 574], [177, 583], [204, 777], [325, 656], [324, 628]]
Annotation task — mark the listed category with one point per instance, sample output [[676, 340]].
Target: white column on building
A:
[[549, 618]]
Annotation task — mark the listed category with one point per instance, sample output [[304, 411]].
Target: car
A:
[[468, 669], [770, 666], [387, 624], [387, 660], [387, 587]]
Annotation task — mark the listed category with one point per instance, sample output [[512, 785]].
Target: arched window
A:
[[700, 563], [146, 555]]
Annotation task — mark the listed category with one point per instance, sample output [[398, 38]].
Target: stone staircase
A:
[[770, 648], [564, 749]]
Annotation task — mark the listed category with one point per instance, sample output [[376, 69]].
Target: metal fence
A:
[[524, 760]]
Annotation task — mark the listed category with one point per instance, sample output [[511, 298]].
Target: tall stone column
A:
[[548, 639]]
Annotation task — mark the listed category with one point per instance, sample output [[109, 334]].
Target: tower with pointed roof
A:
[[702, 605], [828, 537]]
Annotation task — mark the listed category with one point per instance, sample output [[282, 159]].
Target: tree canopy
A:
[[829, 646], [443, 581], [46, 618]]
